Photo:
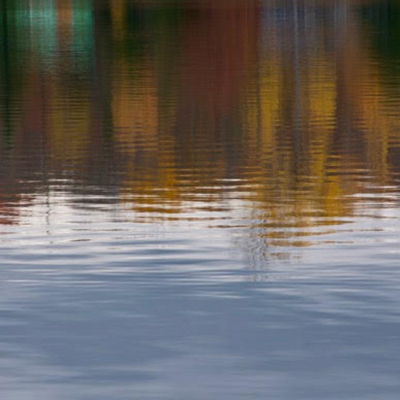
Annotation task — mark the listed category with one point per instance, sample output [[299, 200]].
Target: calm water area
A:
[[199, 200]]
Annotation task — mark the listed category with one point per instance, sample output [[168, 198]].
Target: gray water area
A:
[[199, 200]]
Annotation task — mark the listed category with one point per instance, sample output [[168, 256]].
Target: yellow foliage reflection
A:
[[274, 113]]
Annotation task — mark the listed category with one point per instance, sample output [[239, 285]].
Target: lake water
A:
[[199, 200]]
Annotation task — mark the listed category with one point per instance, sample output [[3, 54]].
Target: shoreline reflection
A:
[[276, 116]]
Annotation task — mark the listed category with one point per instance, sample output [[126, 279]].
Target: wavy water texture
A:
[[199, 199]]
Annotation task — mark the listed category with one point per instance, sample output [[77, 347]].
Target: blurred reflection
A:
[[278, 113]]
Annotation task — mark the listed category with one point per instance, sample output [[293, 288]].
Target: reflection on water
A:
[[199, 199]]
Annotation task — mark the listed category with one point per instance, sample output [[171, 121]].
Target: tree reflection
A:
[[275, 113]]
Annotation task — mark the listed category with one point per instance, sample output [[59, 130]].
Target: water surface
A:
[[199, 200]]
